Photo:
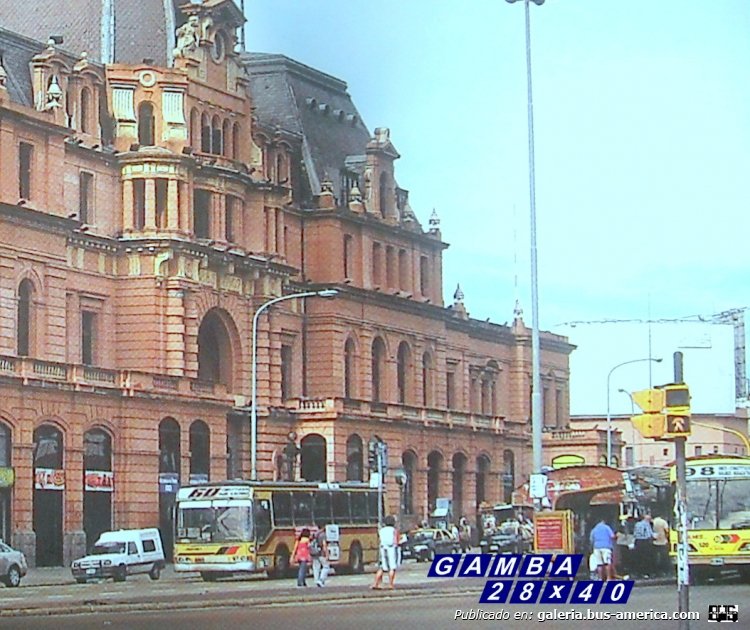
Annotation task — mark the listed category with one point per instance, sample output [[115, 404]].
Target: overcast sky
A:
[[642, 124]]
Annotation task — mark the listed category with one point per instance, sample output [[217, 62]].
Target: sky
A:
[[642, 142]]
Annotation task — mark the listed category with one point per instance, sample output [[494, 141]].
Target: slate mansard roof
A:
[[304, 101]]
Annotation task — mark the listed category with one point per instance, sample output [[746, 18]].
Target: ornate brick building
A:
[[147, 210]]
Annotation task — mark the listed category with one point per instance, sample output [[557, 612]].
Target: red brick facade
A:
[[145, 215]]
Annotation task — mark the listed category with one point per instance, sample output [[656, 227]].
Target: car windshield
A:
[[215, 524], [108, 547]]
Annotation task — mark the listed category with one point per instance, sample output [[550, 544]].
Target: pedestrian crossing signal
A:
[[677, 408], [678, 424]]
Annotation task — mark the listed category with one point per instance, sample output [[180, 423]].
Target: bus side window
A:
[[359, 507], [302, 508], [282, 508], [322, 508], [262, 519], [341, 508], [372, 507]]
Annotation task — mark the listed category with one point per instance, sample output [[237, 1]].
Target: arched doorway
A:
[[7, 479], [49, 490], [200, 452], [434, 469], [146, 124], [98, 484], [459, 469], [354, 458], [509, 475], [482, 479], [409, 464], [169, 478], [215, 356], [313, 458]]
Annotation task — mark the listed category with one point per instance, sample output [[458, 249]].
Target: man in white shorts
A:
[[602, 540], [388, 537]]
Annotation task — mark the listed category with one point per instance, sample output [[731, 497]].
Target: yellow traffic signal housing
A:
[[650, 425], [650, 400], [677, 407]]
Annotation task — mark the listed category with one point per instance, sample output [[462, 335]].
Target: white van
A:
[[122, 553]]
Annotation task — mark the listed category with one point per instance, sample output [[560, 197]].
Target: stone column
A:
[[150, 224], [128, 219], [173, 209]]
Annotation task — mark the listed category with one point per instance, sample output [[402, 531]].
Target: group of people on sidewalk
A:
[[641, 553], [314, 549]]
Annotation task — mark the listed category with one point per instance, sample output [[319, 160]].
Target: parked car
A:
[[423, 544], [12, 565], [122, 553], [510, 537]]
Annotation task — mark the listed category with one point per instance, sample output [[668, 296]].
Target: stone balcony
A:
[[320, 408], [32, 372]]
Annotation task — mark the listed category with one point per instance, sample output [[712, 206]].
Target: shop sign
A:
[[99, 481], [7, 477], [49, 479]]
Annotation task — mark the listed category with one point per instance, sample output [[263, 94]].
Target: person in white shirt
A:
[[388, 538]]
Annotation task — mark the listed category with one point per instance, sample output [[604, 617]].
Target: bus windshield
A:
[[213, 521], [718, 503]]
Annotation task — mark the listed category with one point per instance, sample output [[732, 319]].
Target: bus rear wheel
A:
[[280, 563], [356, 562]]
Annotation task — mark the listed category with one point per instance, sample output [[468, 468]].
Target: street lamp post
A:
[[609, 415], [325, 293], [536, 361]]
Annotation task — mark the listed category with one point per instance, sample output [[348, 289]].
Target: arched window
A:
[[200, 452], [48, 447], [378, 370], [169, 446], [354, 461], [195, 128], [403, 373], [350, 369], [49, 489], [236, 141], [85, 110], [25, 318], [427, 397], [383, 195], [216, 139], [313, 458], [226, 134], [215, 357], [509, 475], [146, 134], [98, 484], [5, 445], [97, 450], [205, 134], [409, 464]]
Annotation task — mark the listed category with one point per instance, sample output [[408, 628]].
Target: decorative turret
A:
[[355, 199], [434, 223], [380, 184], [459, 309], [326, 199]]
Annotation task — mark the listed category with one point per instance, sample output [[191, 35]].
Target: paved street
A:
[[346, 602]]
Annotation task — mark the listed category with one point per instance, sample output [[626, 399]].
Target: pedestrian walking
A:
[[388, 543], [319, 555], [661, 545], [602, 540], [301, 555], [644, 547]]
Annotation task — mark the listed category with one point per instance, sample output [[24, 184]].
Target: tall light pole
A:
[[536, 359], [609, 415], [325, 293]]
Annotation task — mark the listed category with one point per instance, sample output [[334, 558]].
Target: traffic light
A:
[[677, 408], [653, 423]]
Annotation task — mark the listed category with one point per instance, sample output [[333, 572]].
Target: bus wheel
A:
[[745, 574], [121, 574], [356, 563], [280, 563], [155, 572]]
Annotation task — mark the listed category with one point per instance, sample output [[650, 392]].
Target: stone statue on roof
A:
[[188, 37]]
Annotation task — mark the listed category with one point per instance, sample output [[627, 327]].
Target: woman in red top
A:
[[301, 555]]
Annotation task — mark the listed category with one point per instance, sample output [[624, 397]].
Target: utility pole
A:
[[680, 512]]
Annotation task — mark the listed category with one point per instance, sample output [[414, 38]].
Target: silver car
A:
[[12, 565]]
